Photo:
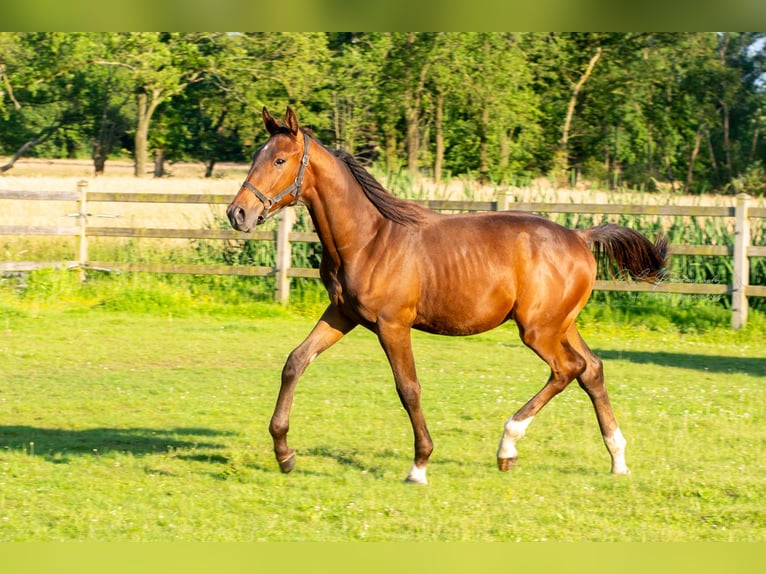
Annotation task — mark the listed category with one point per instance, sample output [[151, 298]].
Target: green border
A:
[[420, 15], [338, 558], [304, 15]]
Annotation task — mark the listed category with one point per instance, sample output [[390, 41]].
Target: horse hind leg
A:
[[566, 364], [592, 382]]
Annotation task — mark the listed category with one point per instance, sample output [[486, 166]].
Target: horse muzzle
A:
[[242, 220]]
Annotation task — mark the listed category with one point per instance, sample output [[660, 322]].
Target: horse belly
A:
[[463, 307], [460, 325]]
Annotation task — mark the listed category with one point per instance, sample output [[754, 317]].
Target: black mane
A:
[[397, 210]]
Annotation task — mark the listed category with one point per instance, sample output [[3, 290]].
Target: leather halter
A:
[[294, 188]]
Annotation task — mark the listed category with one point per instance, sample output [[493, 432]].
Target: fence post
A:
[[82, 255], [284, 253], [505, 199], [741, 278]]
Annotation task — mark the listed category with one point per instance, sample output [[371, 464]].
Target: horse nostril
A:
[[237, 216]]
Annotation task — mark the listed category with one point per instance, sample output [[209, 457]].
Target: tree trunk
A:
[[412, 100], [209, 167], [573, 99], [99, 158], [145, 108], [505, 151], [713, 162], [217, 142], [38, 139], [726, 142], [693, 159], [159, 162], [439, 136], [336, 120], [8, 88], [413, 136], [103, 141], [669, 173], [483, 146], [390, 148], [649, 136], [649, 163], [142, 129]]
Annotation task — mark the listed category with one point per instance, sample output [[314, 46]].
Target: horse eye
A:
[[279, 161]]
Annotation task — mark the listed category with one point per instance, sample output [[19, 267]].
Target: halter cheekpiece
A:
[[294, 188]]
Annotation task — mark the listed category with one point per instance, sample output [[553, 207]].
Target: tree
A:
[[203, 122], [407, 67], [11, 52], [160, 66], [499, 99], [357, 74], [107, 113], [638, 109], [444, 84], [576, 88], [42, 77], [288, 68]]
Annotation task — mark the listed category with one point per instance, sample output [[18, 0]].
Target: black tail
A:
[[626, 251]]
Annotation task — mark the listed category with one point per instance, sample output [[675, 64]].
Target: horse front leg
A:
[[330, 328], [397, 344]]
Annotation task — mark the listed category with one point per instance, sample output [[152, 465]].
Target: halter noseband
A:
[[294, 188]]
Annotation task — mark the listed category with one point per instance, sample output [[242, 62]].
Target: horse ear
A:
[[272, 126], [291, 121]]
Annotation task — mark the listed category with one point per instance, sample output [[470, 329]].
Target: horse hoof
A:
[[287, 464], [415, 480], [506, 464]]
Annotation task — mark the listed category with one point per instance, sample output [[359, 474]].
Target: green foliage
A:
[[677, 109], [661, 312], [752, 181], [166, 295]]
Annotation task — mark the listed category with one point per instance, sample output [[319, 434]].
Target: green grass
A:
[[149, 422]]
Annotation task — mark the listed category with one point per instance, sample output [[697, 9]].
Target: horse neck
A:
[[343, 217]]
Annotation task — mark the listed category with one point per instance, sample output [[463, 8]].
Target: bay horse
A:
[[392, 265]]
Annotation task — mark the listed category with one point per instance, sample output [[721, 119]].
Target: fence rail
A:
[[743, 213]]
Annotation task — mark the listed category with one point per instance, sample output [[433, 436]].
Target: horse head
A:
[[276, 174]]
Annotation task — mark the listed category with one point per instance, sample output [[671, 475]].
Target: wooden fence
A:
[[743, 214]]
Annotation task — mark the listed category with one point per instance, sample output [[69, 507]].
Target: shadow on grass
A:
[[57, 445], [753, 366], [345, 458]]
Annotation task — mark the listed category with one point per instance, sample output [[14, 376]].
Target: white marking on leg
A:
[[312, 357], [417, 475], [616, 445], [513, 431]]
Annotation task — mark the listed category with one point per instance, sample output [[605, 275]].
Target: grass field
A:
[[120, 426]]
